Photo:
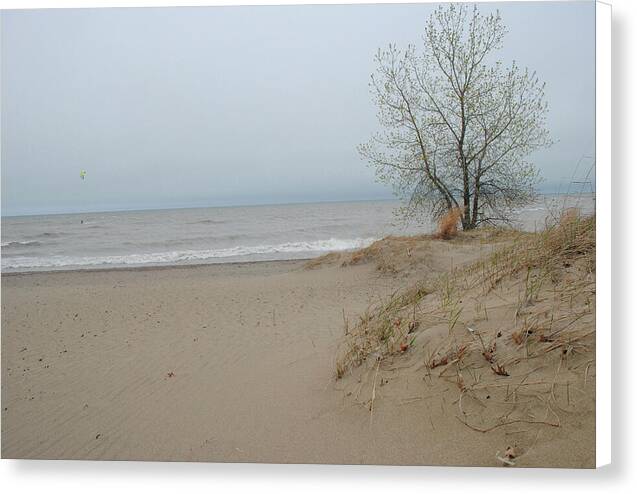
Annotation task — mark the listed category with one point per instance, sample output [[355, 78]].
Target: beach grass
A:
[[513, 331]]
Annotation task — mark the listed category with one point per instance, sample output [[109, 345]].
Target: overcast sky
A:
[[173, 107]]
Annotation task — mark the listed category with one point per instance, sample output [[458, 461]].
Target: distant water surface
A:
[[213, 235]]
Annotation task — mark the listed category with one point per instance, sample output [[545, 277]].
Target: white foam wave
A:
[[19, 243], [184, 256], [531, 209]]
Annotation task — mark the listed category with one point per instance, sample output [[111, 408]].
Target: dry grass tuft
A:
[[448, 224], [546, 255], [381, 332]]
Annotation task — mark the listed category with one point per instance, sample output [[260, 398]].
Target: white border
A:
[[41, 4], [603, 427]]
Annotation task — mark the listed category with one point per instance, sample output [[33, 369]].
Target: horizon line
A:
[[243, 205], [163, 208]]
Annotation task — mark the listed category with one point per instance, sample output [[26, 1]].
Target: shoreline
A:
[[41, 258], [158, 267]]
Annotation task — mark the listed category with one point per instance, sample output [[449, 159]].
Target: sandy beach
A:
[[236, 362]]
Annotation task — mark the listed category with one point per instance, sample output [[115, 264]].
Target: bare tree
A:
[[457, 124]]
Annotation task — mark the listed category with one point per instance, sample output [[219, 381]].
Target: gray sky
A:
[[214, 106]]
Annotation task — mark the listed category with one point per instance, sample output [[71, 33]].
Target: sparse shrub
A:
[[448, 224]]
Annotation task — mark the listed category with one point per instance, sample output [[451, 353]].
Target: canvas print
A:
[[342, 234]]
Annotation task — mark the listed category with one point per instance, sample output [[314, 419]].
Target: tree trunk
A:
[[476, 197], [467, 224], [466, 195]]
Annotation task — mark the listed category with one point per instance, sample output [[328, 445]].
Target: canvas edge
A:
[[603, 323]]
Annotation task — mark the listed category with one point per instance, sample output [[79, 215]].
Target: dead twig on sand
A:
[[516, 421], [345, 323], [371, 405]]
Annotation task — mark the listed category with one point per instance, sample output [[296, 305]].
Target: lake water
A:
[[213, 235]]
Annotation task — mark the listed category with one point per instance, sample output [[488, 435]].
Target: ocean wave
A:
[[530, 209], [20, 243], [208, 222], [185, 256]]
